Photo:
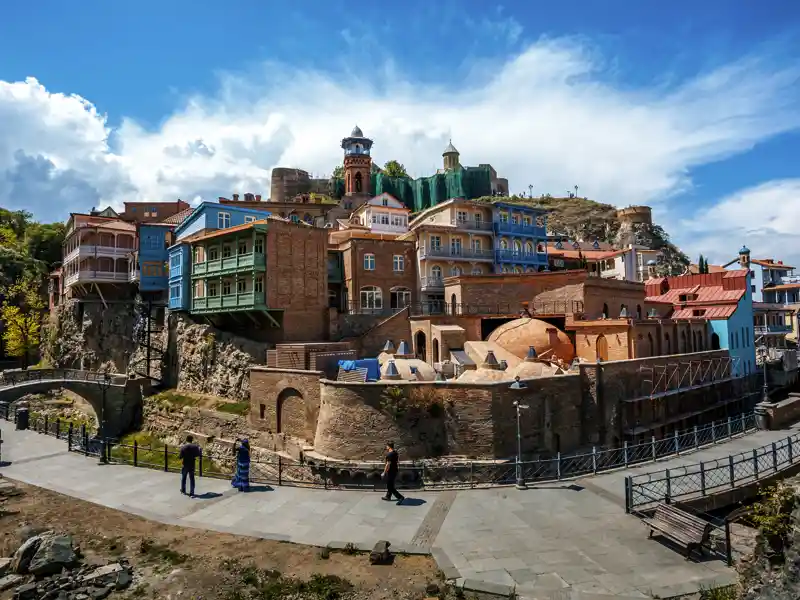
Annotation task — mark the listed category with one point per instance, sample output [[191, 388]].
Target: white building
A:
[[383, 214]]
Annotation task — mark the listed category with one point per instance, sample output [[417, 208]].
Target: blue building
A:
[[208, 216], [152, 256], [520, 238]]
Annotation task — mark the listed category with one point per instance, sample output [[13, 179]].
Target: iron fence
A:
[[429, 473], [643, 492], [13, 377]]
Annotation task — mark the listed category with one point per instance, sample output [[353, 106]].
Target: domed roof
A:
[[531, 369], [517, 336], [424, 372], [356, 132], [481, 375], [450, 149], [744, 250]]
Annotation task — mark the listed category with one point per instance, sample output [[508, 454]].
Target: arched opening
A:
[[529, 248], [638, 311], [435, 350], [399, 297], [419, 345], [453, 307], [371, 298], [683, 343], [358, 183], [605, 310], [602, 347], [290, 413], [667, 345], [517, 247], [650, 344], [715, 341], [503, 245], [347, 182], [540, 248], [455, 272]]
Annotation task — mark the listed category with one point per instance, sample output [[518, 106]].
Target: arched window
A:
[[358, 183], [528, 248], [399, 297], [455, 271], [601, 347], [639, 312], [651, 345], [371, 297], [530, 270], [667, 345], [605, 310], [517, 246], [540, 248], [714, 341], [503, 245], [517, 269], [346, 184]]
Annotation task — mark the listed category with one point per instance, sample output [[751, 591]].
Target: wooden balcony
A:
[[230, 265]]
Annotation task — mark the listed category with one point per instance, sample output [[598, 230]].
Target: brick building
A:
[[376, 272], [152, 212]]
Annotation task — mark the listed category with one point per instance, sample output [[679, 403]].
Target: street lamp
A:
[[518, 385], [765, 391], [104, 382]]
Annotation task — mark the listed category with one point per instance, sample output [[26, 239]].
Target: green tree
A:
[[338, 172], [22, 312], [394, 169], [700, 265]]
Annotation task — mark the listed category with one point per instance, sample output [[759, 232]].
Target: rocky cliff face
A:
[[84, 335]]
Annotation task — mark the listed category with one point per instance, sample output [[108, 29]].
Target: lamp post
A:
[[104, 382], [765, 391], [518, 385]]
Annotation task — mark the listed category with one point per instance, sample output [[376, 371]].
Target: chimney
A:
[[258, 197], [388, 347], [403, 351], [391, 371], [248, 197], [236, 197], [532, 355]]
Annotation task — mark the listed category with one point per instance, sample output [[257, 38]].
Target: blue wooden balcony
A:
[[520, 258], [520, 229]]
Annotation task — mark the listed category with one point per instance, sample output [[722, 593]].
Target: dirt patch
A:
[[178, 562]]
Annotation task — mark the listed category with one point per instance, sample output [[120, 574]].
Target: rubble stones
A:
[[54, 553], [10, 581], [380, 553], [5, 566], [24, 555]]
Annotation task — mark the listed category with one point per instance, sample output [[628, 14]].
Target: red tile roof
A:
[[770, 263], [718, 294]]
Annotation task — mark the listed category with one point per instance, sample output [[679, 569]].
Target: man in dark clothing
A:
[[189, 453], [390, 473]]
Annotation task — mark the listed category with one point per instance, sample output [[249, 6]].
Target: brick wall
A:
[[422, 331], [383, 276], [297, 279], [396, 328], [612, 294], [328, 362], [285, 401], [508, 289], [434, 419]]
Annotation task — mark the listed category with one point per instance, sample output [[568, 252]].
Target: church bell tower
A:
[[357, 167]]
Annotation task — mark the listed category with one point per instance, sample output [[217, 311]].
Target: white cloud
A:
[[549, 116], [764, 218]]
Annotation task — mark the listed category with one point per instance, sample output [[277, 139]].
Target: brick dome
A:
[[538, 368], [518, 335]]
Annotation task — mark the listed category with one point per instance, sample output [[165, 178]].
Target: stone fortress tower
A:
[[450, 156], [633, 221]]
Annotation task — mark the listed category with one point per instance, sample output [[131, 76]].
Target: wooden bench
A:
[[684, 529]]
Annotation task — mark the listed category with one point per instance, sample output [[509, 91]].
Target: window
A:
[[199, 254], [436, 242], [153, 242], [369, 262], [753, 289], [504, 217], [375, 218], [226, 251], [212, 288], [371, 297], [526, 221], [455, 246], [384, 219], [461, 216], [399, 297], [226, 287], [241, 286], [455, 271], [436, 272], [478, 219], [385, 202], [476, 244], [242, 247], [517, 247], [517, 269], [258, 245], [213, 253], [223, 220], [398, 263], [294, 219], [476, 271], [175, 292], [249, 219], [698, 312], [514, 220], [259, 284], [528, 248], [503, 245], [175, 261]]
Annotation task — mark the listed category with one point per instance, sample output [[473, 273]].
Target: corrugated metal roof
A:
[[711, 312]]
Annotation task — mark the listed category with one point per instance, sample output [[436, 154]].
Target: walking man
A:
[[390, 474], [189, 453]]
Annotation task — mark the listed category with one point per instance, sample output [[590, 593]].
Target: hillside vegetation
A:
[[587, 220]]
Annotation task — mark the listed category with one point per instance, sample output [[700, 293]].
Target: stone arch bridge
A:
[[123, 394]]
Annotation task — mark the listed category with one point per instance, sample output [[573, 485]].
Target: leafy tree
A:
[[22, 313], [394, 169], [338, 172]]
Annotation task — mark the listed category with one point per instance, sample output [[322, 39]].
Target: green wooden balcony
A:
[[230, 265], [229, 303]]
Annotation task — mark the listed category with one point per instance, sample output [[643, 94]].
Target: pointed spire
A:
[[532, 355], [450, 149], [490, 362], [403, 351], [388, 347], [391, 371]]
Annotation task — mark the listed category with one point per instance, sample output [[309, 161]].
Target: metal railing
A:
[[457, 252], [764, 329], [428, 474], [643, 492], [16, 376], [472, 224]]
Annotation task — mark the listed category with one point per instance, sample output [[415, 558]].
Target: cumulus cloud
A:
[[549, 116], [763, 217]]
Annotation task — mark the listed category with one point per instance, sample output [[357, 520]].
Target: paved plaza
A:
[[559, 540]]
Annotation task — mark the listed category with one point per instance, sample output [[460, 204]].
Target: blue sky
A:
[[691, 107]]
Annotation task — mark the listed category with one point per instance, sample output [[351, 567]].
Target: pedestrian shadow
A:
[[257, 488], [208, 495], [412, 502], [4, 463]]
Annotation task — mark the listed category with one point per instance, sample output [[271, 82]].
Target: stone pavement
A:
[[560, 540]]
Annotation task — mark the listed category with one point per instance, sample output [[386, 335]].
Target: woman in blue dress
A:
[[241, 479]]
